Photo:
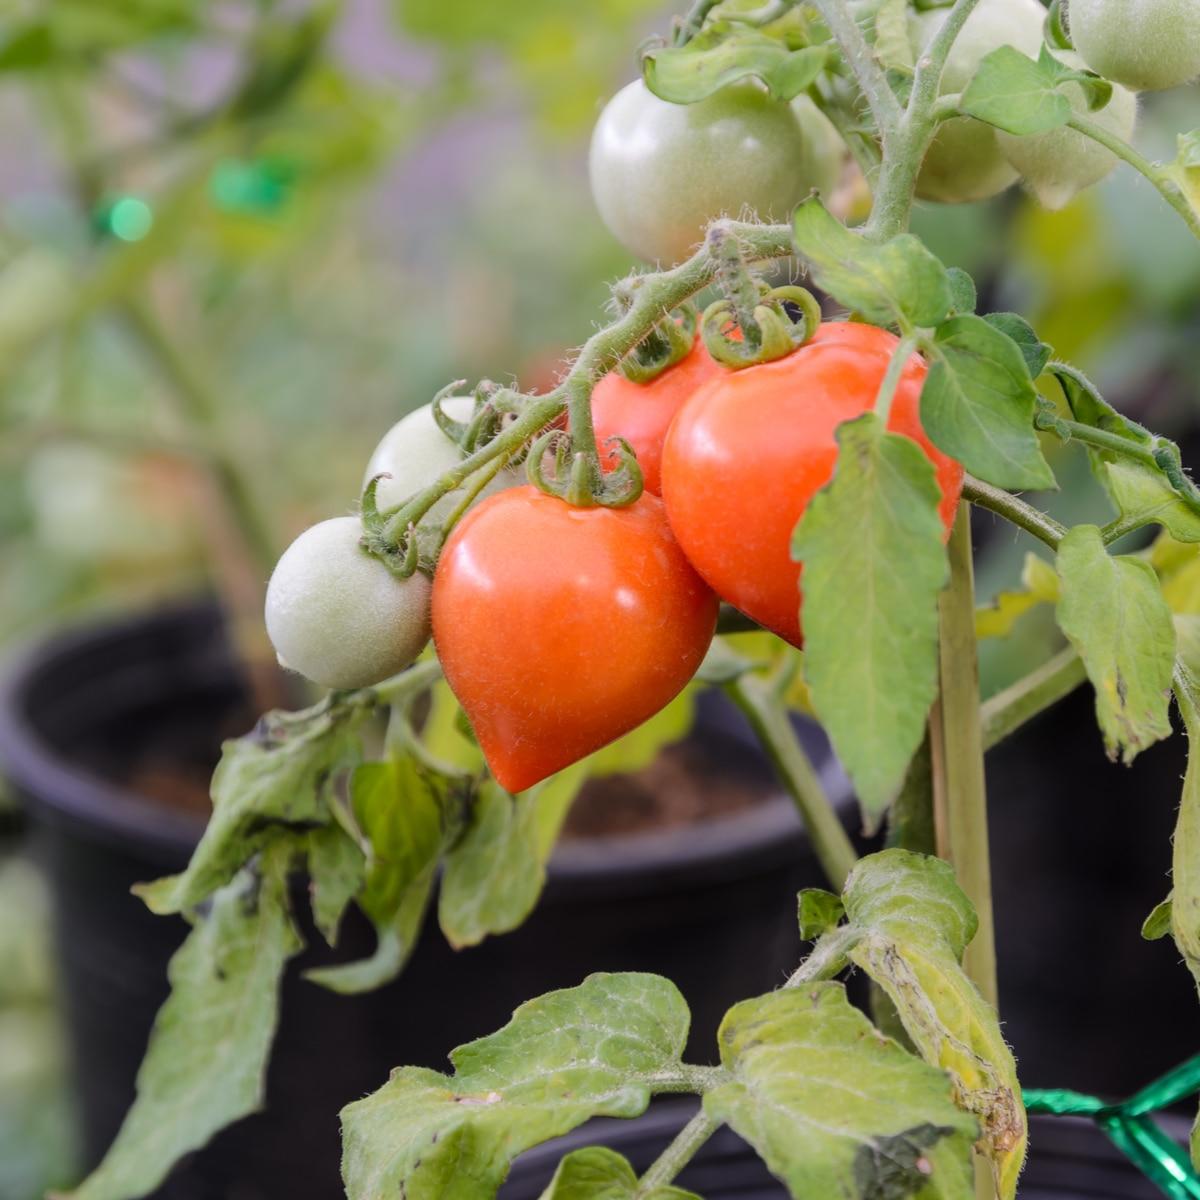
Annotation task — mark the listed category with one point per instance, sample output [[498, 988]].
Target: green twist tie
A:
[[1130, 1128]]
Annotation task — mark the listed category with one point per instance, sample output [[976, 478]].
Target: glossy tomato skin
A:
[[641, 413], [562, 628], [748, 452]]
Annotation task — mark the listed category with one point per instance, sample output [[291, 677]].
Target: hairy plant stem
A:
[[677, 1155], [891, 379], [1158, 176], [654, 297], [770, 721], [1006, 711], [862, 63], [956, 742], [1024, 516]]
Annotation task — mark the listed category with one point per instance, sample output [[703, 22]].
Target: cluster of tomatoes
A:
[[561, 627]]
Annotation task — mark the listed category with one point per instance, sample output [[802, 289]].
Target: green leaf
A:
[[597, 1173], [819, 911], [267, 784], [207, 1057], [963, 296], [893, 47], [874, 563], [911, 923], [1158, 923], [1141, 493], [600, 1049], [1039, 585], [833, 1107], [398, 808], [1022, 97], [724, 53], [899, 282], [1035, 352], [1185, 862], [978, 404], [28, 47], [337, 869], [1112, 610], [495, 873]]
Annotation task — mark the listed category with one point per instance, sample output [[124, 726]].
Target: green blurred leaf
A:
[[893, 46], [978, 404], [963, 296], [1158, 923], [208, 1050], [1022, 97], [874, 563], [833, 1107], [267, 784], [337, 869], [1039, 586], [724, 53], [818, 912], [911, 923], [597, 1173], [898, 282], [600, 1049], [1113, 612]]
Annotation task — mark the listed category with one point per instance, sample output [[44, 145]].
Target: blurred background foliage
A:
[[239, 239]]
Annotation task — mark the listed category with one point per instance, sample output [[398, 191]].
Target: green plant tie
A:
[[1132, 1129]]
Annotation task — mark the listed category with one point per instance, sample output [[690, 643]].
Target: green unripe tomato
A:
[[1057, 165], [660, 172], [1148, 45], [965, 162], [415, 453], [337, 615]]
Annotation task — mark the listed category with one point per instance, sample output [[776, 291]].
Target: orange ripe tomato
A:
[[750, 450], [641, 413], [562, 628]]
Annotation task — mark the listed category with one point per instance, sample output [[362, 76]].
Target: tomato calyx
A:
[[493, 404], [668, 342], [752, 323], [576, 476]]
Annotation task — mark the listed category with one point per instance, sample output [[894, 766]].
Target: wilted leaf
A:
[[1039, 586], [207, 1057], [833, 1107]]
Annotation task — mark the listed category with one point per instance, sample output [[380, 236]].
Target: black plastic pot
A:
[[710, 907], [1081, 852], [1070, 1159]]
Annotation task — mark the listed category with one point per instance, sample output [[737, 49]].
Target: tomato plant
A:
[[770, 430], [838, 452], [613, 621]]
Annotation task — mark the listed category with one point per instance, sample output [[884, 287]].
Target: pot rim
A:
[[736, 843]]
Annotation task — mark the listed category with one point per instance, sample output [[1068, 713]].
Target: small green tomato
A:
[[965, 162], [1057, 165], [414, 453], [337, 615], [1148, 45], [660, 172]]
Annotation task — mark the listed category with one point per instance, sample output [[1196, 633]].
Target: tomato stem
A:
[[956, 743], [1006, 711], [771, 722], [677, 1155], [1015, 510], [891, 380]]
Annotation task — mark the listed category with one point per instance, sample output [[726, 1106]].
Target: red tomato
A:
[[745, 456], [641, 413], [562, 628]]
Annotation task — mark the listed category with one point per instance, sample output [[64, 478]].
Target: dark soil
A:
[[702, 777]]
